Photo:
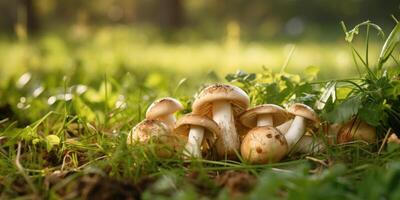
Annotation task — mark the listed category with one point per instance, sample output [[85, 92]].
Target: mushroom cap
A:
[[264, 144], [279, 115], [147, 129], [211, 129], [299, 109], [356, 130], [220, 92], [162, 107]]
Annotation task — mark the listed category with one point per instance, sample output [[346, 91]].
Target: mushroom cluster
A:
[[220, 110]]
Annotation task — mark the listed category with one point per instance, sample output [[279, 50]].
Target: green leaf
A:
[[345, 110], [311, 72], [51, 141], [390, 44], [372, 114]]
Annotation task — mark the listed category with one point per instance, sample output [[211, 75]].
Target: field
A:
[[68, 101]]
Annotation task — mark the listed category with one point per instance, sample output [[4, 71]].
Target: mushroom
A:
[[223, 103], [393, 139], [306, 144], [304, 115], [263, 144], [163, 109], [270, 145], [195, 127], [157, 132], [355, 129]]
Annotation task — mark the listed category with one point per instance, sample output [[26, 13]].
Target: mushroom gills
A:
[[195, 139], [265, 120], [296, 131], [223, 116]]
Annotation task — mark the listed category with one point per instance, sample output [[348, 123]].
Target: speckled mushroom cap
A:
[[211, 129], [264, 144], [279, 115], [162, 107], [299, 109], [147, 129], [220, 92]]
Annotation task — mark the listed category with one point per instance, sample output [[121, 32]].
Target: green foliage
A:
[[277, 88], [59, 128], [373, 96]]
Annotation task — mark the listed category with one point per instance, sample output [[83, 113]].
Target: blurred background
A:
[[185, 37]]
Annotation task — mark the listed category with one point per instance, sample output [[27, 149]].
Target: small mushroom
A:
[[263, 144], [269, 146], [157, 132], [304, 116], [223, 103], [393, 139], [355, 129], [163, 109], [306, 144], [198, 129]]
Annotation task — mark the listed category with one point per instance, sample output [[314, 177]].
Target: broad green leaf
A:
[[343, 92], [372, 114], [345, 111], [311, 72]]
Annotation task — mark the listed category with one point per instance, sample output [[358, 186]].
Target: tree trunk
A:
[[171, 14]]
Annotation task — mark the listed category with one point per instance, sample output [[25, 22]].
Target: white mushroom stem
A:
[[228, 141], [265, 120], [169, 120], [195, 139], [307, 144], [283, 128], [296, 131]]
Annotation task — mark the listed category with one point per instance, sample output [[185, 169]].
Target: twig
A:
[[317, 161], [4, 120], [384, 140], [22, 170]]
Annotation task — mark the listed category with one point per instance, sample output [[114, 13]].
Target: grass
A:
[[67, 105]]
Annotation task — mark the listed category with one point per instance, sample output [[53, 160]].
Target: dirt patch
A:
[[99, 187], [236, 182]]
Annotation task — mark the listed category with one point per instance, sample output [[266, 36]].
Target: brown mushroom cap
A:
[[356, 130], [220, 92], [162, 107], [147, 129], [211, 129], [264, 144], [249, 118], [305, 111]]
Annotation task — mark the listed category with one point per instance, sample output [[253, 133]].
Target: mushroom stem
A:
[[169, 120], [265, 120], [228, 142], [307, 144], [195, 139], [283, 128], [296, 131]]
